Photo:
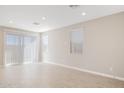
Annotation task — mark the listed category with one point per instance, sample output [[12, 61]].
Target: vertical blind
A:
[[20, 49], [45, 43]]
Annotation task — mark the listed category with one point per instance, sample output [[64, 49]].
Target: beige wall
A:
[[1, 46], [103, 45]]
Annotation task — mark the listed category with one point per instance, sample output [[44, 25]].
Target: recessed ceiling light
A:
[[83, 13], [10, 21], [44, 18]]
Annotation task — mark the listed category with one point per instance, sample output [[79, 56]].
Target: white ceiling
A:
[[57, 16]]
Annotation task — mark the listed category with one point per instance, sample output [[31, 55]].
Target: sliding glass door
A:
[[20, 49], [29, 49], [13, 49]]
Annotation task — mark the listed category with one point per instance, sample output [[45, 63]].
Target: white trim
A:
[[88, 71], [76, 68]]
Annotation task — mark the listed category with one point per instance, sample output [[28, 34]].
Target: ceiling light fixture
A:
[[83, 13], [43, 18], [10, 21]]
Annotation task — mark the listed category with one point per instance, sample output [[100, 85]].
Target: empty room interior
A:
[[61, 46]]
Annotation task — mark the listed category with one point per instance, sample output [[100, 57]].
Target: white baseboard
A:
[[88, 71], [76, 68]]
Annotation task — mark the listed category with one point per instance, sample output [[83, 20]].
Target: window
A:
[[29, 48], [76, 42], [12, 39], [45, 43], [20, 49], [13, 49]]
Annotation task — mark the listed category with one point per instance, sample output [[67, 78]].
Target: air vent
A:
[[36, 23], [74, 6]]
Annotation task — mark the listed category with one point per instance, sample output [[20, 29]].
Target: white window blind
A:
[[45, 43], [13, 49], [29, 49], [20, 49], [76, 42]]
